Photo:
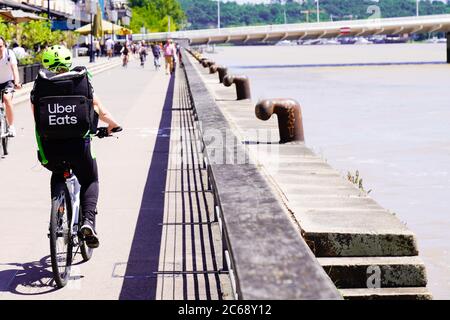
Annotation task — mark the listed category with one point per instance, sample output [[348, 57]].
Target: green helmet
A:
[[57, 57]]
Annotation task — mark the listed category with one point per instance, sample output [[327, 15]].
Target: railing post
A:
[[242, 85], [448, 47], [288, 111]]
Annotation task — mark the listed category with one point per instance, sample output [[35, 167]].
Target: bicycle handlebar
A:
[[102, 132]]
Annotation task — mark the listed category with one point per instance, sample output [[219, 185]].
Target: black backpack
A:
[[63, 105]]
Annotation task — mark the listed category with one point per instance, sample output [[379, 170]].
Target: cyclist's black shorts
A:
[[8, 86], [76, 152]]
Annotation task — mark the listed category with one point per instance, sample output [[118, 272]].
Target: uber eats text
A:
[[61, 115]]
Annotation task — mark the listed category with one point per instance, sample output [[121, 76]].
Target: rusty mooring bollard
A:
[[223, 71], [288, 111], [242, 85], [213, 68], [205, 63]]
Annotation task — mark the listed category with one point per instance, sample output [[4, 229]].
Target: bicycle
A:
[[125, 60], [143, 58], [4, 128], [66, 219]]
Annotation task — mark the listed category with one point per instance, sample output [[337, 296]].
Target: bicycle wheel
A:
[[86, 252], [3, 132], [61, 245]]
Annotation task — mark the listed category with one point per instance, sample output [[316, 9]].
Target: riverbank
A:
[[388, 122]]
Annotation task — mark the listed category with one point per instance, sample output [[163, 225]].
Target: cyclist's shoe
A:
[[11, 131], [89, 234]]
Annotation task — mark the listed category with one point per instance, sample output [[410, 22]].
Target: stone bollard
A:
[[223, 71], [288, 111], [242, 85]]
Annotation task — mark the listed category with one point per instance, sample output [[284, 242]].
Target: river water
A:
[[390, 122]]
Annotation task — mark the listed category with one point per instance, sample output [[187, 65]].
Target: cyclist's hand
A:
[[102, 132], [114, 128], [17, 86]]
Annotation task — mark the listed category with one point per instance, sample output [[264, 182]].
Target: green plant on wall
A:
[[357, 180]]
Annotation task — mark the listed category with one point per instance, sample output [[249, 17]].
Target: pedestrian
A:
[[97, 47], [178, 48], [169, 56], [19, 51], [156, 55], [109, 48]]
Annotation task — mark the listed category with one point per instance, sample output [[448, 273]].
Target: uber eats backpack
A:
[[63, 105]]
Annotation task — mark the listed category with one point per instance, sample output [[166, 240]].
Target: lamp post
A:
[[48, 9], [318, 10], [114, 17], [93, 9], [218, 14]]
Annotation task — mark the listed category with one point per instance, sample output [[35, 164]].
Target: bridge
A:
[[304, 31]]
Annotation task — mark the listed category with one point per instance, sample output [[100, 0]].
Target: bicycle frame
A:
[[3, 131], [74, 188]]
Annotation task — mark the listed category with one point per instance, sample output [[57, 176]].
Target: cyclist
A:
[[143, 52], [125, 54], [64, 105], [9, 80]]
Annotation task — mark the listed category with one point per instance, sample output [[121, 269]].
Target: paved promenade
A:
[[157, 233]]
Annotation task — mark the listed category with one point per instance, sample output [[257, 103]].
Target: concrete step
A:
[[327, 202], [388, 272], [387, 294], [351, 232]]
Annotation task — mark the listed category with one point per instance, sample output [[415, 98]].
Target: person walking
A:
[[9, 81], [169, 56], [109, 44], [156, 55], [97, 48]]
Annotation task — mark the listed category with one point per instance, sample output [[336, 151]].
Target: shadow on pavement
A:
[[139, 278], [32, 278]]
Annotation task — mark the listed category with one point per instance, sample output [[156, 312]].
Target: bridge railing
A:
[[433, 20]]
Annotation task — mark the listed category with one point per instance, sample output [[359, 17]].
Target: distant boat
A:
[[436, 40], [284, 43], [362, 40], [347, 40], [396, 39], [311, 42]]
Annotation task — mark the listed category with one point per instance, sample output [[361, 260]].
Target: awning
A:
[[107, 28], [19, 16]]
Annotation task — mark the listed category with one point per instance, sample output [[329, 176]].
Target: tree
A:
[[154, 15]]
